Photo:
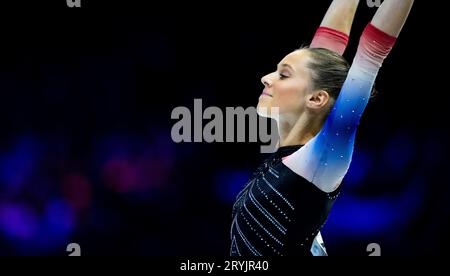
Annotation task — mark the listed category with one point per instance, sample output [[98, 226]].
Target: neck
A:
[[299, 131]]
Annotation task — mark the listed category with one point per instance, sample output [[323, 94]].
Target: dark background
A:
[[86, 154]]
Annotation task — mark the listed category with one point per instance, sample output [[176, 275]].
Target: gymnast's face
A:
[[287, 88]]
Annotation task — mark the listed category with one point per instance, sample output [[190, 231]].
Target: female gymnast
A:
[[320, 100]]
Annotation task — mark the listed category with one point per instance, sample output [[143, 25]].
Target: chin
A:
[[264, 111]]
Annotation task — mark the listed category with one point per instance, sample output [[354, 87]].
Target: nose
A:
[[266, 81]]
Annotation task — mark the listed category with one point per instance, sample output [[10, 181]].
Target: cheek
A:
[[290, 98]]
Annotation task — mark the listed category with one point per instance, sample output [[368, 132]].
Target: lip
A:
[[264, 93]]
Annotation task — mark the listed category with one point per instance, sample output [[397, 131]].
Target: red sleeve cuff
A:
[[375, 34], [330, 39], [376, 44]]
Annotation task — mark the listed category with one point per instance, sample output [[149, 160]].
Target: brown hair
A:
[[329, 71]]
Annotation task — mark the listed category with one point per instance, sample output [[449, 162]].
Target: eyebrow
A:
[[286, 65]]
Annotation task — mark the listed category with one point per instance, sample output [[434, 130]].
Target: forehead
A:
[[297, 59]]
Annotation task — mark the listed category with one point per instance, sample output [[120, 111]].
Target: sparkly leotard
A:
[[285, 203]]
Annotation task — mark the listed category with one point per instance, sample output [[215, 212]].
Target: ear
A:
[[317, 99]]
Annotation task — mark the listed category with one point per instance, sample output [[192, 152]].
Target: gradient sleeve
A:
[[325, 159], [330, 39]]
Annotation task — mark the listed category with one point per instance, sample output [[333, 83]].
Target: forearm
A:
[[333, 33], [380, 35], [340, 15], [392, 15]]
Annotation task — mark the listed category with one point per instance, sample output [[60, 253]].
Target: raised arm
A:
[[333, 33], [325, 159], [379, 37], [391, 16], [340, 15]]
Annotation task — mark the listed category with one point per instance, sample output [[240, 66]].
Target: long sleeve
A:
[[325, 159]]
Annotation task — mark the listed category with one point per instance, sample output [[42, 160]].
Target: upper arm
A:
[[325, 159]]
